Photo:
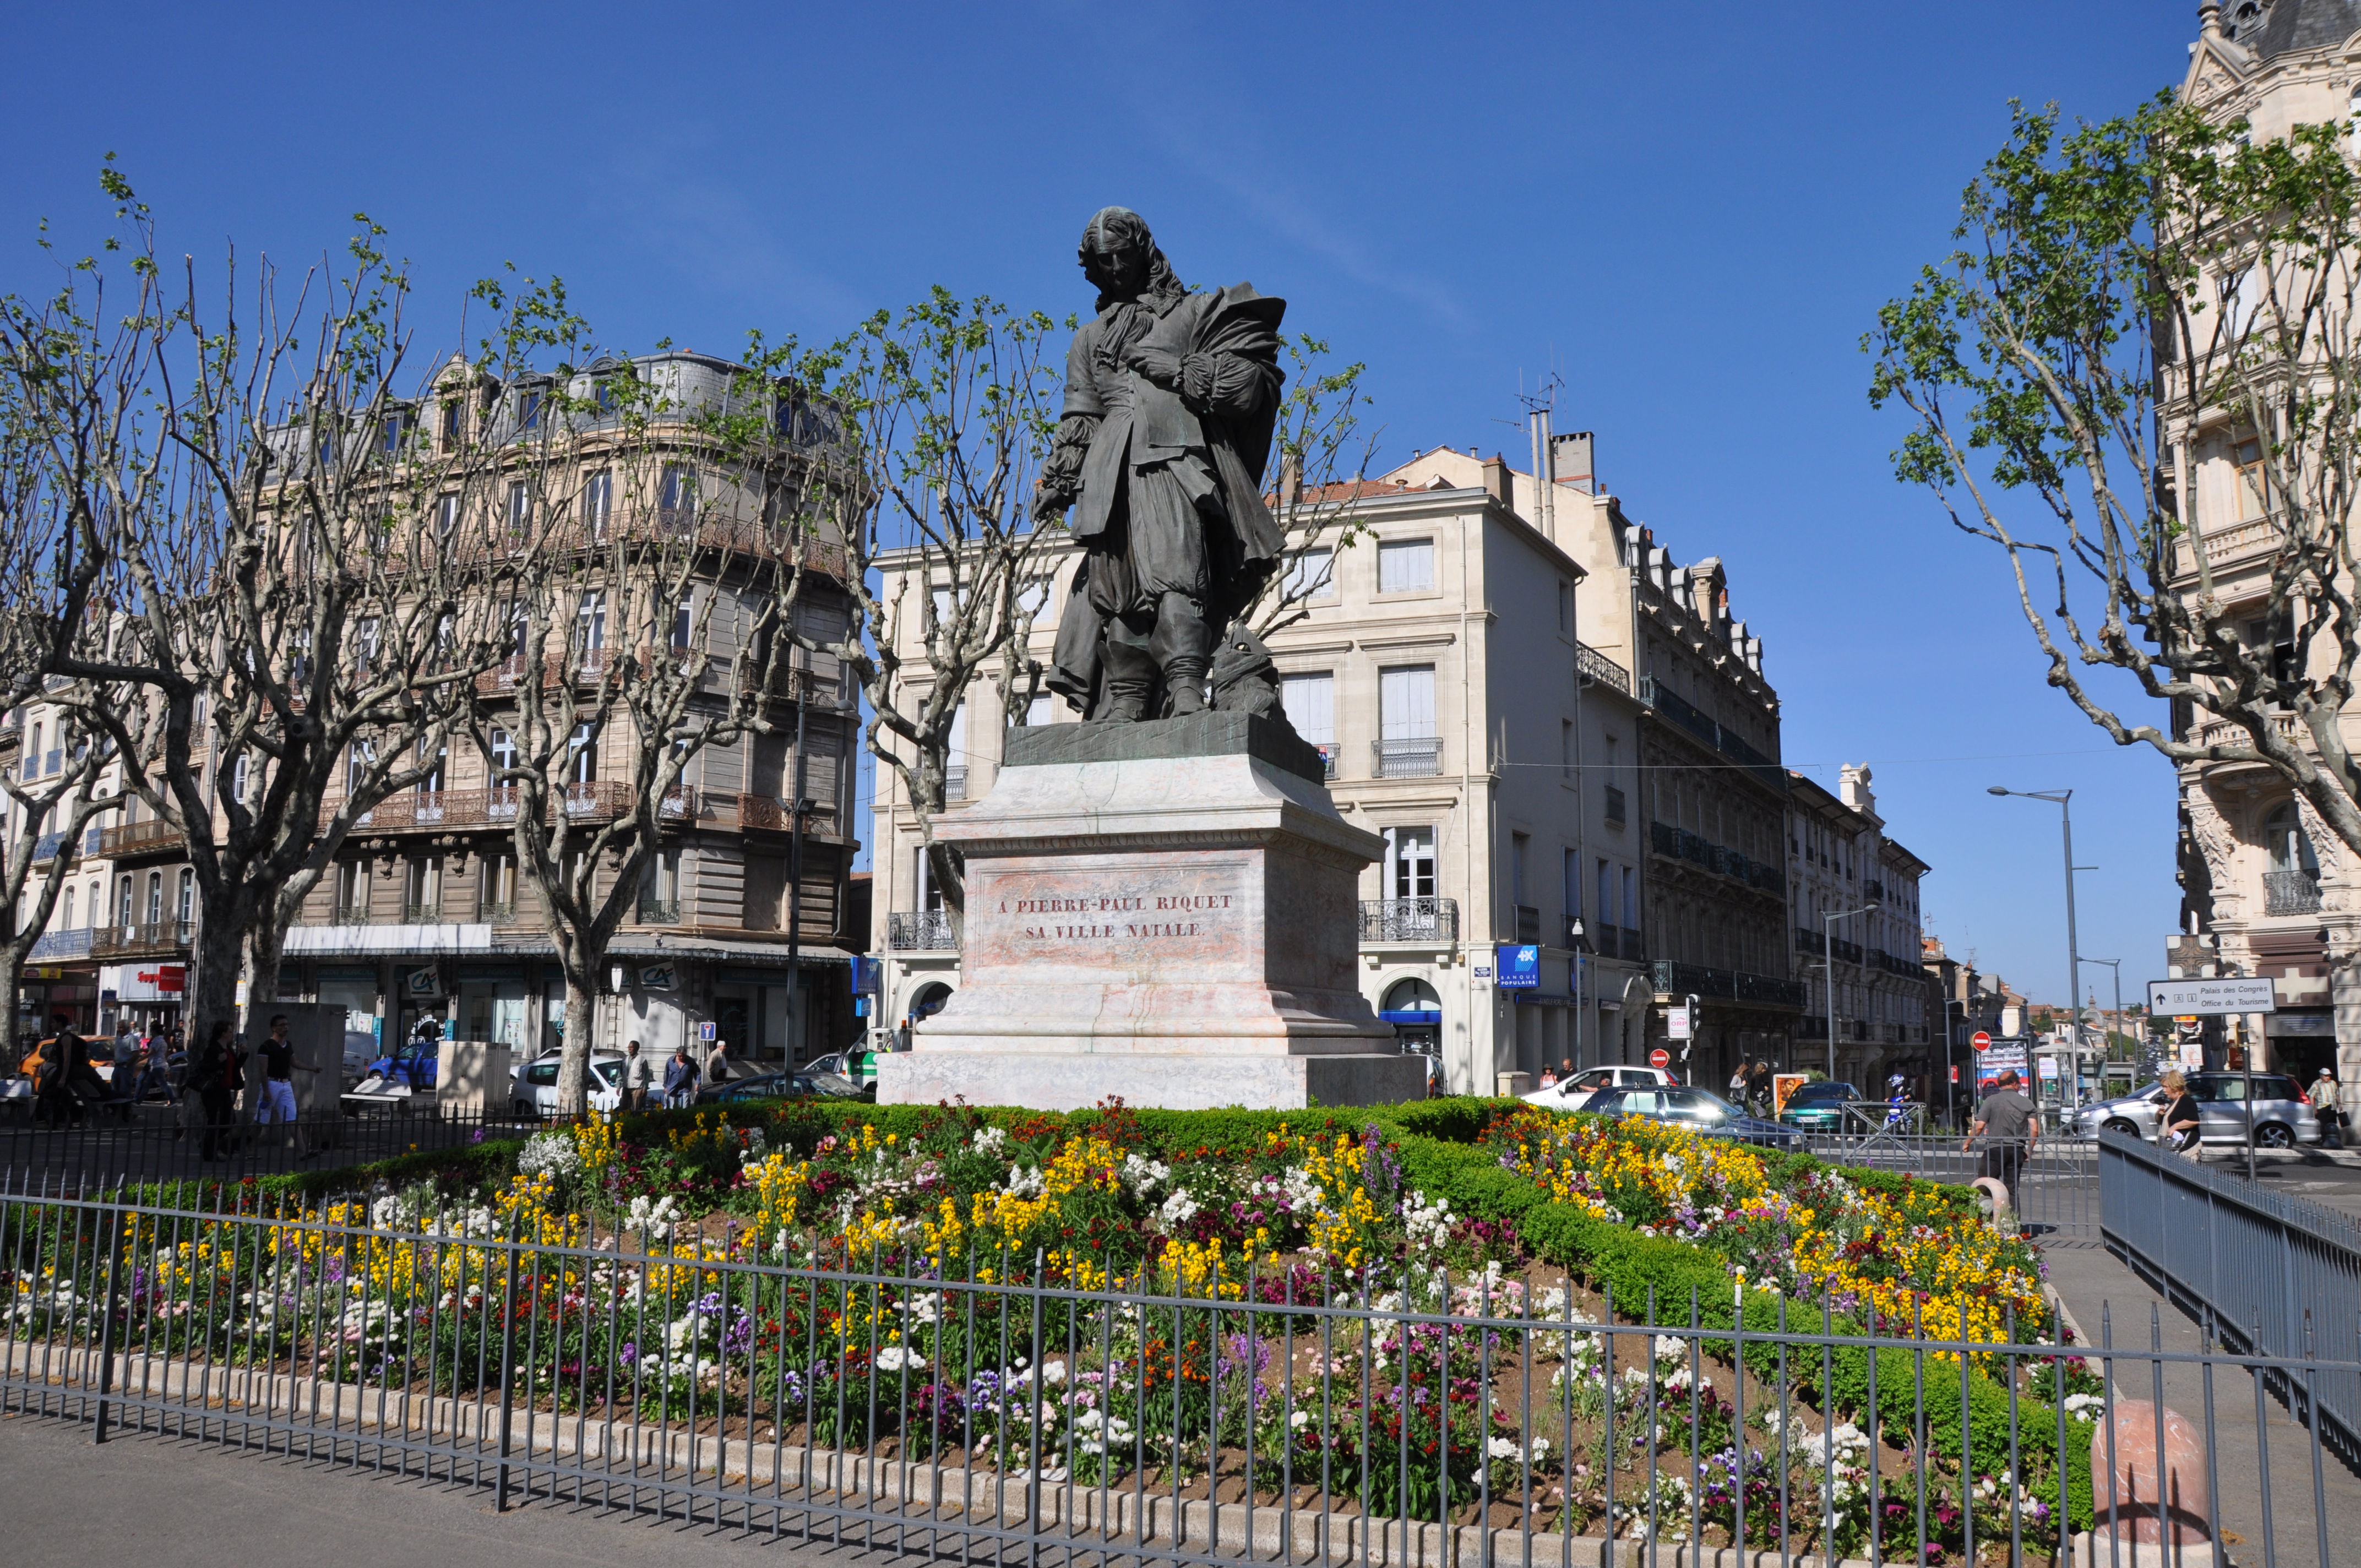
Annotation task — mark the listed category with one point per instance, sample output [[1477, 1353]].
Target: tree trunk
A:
[[581, 1002], [216, 959], [12, 979]]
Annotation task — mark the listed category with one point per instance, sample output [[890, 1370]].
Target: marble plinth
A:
[[1163, 912]]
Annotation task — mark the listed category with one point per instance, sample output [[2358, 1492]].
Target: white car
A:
[[533, 1090], [1569, 1094]]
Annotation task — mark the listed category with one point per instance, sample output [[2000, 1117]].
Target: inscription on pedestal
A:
[[1116, 916]]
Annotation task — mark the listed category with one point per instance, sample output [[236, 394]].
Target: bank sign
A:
[[1520, 967]]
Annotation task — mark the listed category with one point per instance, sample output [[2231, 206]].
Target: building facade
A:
[[1841, 863], [2267, 889], [425, 916]]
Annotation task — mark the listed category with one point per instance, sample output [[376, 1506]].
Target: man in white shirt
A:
[[639, 1077]]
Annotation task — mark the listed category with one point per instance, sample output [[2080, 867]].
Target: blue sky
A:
[[1689, 213]]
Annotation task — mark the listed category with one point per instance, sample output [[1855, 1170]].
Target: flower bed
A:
[[1425, 1313]]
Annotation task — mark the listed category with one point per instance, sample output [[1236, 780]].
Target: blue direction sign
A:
[[1519, 967]]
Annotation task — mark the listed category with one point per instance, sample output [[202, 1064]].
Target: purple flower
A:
[[630, 1352]]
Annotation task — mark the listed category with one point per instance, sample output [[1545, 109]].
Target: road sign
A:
[[2221, 997], [705, 1031], [1981, 1040], [1660, 1057]]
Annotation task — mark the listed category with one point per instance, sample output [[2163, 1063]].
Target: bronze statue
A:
[[1171, 399]]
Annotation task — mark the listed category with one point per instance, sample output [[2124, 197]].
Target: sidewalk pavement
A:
[[195, 1504], [2104, 1297]]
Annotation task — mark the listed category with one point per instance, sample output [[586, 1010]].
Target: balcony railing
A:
[[1529, 923], [490, 912], [955, 782], [138, 838], [422, 914], [919, 931], [1594, 665], [1409, 920], [54, 944], [47, 845], [1674, 978], [2290, 892], [1419, 758], [659, 912], [350, 914], [155, 936]]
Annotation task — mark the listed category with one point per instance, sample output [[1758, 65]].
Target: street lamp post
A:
[[2117, 965], [1828, 969], [2073, 960]]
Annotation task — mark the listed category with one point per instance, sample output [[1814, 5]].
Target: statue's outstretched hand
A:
[[1049, 501]]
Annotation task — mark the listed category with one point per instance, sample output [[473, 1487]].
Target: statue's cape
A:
[[1159, 424]]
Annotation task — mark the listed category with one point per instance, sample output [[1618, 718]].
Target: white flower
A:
[[2085, 1407], [651, 1219], [1026, 1183], [895, 1358], [1140, 1173], [1505, 1448], [1300, 1420], [1053, 1372], [925, 1307], [551, 1153], [1179, 1208], [989, 1140]]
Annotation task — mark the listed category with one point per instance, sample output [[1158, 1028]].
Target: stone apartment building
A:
[[2267, 890], [1839, 860], [1467, 674], [426, 914]]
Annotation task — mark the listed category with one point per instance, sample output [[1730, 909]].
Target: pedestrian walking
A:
[[2178, 1125], [62, 1061], [717, 1066], [215, 1078], [1742, 1078], [680, 1079], [277, 1101], [2328, 1108], [2010, 1124], [639, 1077]]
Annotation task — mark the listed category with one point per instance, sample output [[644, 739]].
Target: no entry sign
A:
[[1660, 1057], [1981, 1040]]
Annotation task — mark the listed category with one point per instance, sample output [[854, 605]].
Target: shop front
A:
[[146, 996]]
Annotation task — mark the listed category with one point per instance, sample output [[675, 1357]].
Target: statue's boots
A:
[[1183, 647], [1128, 674]]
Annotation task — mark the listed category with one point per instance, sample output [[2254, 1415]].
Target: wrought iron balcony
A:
[[155, 936], [54, 944], [1409, 920], [422, 914], [490, 912], [660, 912], [1420, 758], [1674, 978], [920, 931], [2292, 893], [139, 837], [350, 914], [1596, 667]]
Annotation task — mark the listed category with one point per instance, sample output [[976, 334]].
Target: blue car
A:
[[1699, 1109], [412, 1067]]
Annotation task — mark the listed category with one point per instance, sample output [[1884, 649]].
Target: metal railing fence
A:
[[1184, 1413], [2056, 1189], [2270, 1273]]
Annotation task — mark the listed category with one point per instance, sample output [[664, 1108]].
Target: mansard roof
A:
[[2269, 27]]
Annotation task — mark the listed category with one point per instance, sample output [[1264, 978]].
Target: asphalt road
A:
[[191, 1505]]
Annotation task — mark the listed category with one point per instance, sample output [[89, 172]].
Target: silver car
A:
[[2281, 1117], [534, 1088]]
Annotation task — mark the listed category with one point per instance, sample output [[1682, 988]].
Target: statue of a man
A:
[[1171, 397]]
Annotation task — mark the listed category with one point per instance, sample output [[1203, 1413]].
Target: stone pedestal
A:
[[1163, 912], [472, 1078]]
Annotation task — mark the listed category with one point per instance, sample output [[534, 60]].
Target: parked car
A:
[[1818, 1107], [408, 1068], [1569, 1094], [858, 1067], [1700, 1109], [2282, 1117], [803, 1085], [533, 1090]]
